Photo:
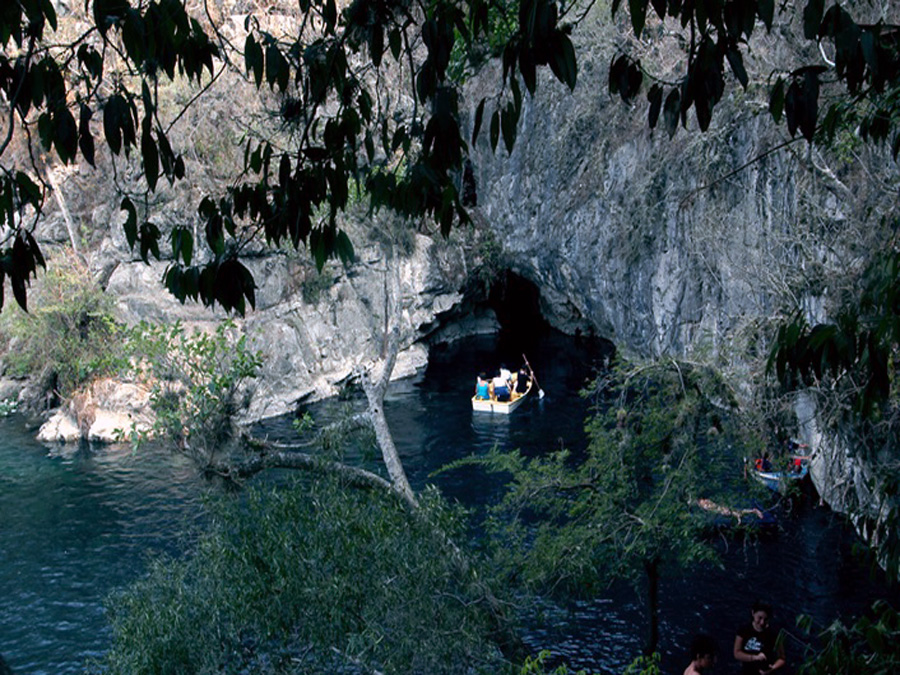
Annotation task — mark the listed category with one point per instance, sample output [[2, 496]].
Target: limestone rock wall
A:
[[670, 246], [314, 330]]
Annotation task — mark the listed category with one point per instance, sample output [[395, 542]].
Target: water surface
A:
[[76, 526]]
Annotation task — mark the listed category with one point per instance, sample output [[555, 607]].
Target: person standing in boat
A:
[[482, 387], [501, 385], [523, 378], [756, 646]]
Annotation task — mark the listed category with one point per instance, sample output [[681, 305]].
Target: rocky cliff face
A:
[[663, 246], [691, 246], [314, 330]]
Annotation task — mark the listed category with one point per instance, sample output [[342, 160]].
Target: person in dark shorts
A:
[[501, 386], [756, 645]]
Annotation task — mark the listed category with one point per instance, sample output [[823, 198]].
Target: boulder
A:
[[60, 428]]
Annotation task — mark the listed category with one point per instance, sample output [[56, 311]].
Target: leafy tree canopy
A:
[[662, 437], [310, 577], [329, 77]]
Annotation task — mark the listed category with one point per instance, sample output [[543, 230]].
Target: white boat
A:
[[501, 407]]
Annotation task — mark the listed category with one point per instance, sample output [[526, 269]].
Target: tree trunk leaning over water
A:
[[375, 381]]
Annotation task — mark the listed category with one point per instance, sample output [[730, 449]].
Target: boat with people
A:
[[505, 392], [492, 405], [790, 472]]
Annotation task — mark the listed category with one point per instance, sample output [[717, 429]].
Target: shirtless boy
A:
[[703, 653]]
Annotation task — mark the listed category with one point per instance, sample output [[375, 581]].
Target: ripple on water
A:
[[75, 526]]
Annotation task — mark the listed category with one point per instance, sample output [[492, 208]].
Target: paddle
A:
[[531, 370]]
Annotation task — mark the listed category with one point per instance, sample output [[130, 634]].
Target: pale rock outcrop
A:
[[60, 428], [312, 342], [106, 411]]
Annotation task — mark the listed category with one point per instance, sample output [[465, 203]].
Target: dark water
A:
[[74, 528]]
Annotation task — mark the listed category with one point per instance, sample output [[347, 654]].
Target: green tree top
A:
[[662, 437]]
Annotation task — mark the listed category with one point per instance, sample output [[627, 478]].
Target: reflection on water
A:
[[73, 528]]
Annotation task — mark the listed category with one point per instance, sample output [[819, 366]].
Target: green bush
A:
[[68, 336], [313, 577], [196, 382]]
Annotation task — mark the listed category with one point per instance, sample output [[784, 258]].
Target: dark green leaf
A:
[[495, 130], [215, 234], [344, 248], [166, 156], [812, 18], [150, 156], [65, 138], [34, 248], [174, 282], [182, 244], [766, 11], [376, 44], [736, 61], [508, 122], [638, 10], [49, 12], [85, 138], [149, 238], [655, 97], [329, 14], [18, 284], [253, 58], [394, 40], [45, 130], [370, 146], [562, 60], [810, 107], [479, 114], [776, 100], [672, 111], [112, 122], [277, 71], [29, 192], [130, 222]]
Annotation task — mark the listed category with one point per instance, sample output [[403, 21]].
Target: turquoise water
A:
[[73, 528], [76, 526]]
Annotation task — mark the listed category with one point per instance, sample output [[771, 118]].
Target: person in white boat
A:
[[501, 385], [482, 387]]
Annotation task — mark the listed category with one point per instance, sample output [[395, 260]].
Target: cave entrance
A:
[[517, 305]]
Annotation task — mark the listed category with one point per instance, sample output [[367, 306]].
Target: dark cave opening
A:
[[516, 302]]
